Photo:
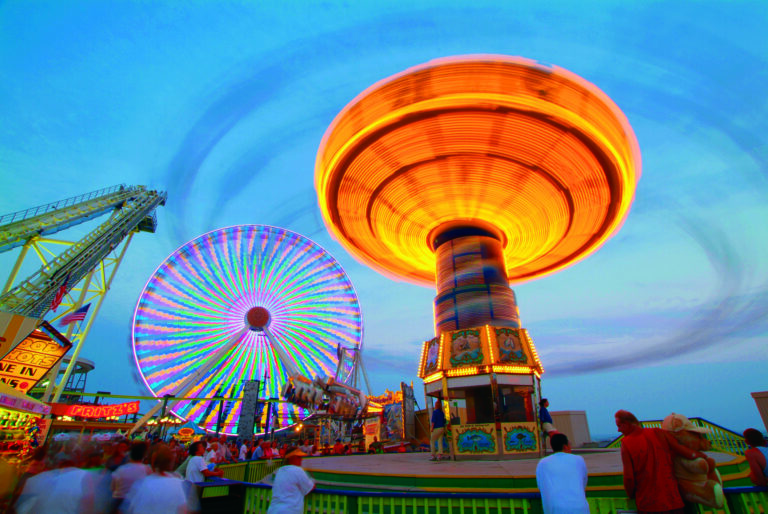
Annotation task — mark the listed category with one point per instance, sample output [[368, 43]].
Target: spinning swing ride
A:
[[467, 174]]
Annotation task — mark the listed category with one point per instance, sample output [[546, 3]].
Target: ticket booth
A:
[[488, 379], [22, 426]]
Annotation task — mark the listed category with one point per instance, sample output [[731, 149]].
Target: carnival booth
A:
[[488, 379], [22, 425]]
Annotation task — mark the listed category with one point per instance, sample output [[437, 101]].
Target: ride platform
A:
[[415, 472]]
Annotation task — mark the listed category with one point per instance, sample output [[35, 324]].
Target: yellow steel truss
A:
[[91, 289]]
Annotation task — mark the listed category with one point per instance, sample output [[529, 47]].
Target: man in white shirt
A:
[[197, 468], [562, 479], [291, 485]]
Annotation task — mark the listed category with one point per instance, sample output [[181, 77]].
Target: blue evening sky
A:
[[223, 105]]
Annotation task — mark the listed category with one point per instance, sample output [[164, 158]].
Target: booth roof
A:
[[14, 399]]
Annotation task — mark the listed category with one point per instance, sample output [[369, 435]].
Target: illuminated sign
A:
[[94, 411], [31, 359], [22, 404], [14, 328], [186, 432]]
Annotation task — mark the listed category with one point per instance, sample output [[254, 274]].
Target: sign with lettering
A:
[[27, 363], [14, 328], [23, 404], [94, 411]]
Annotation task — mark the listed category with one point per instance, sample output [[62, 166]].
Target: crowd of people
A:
[[663, 468], [123, 476]]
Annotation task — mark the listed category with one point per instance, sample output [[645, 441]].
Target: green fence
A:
[[721, 438], [741, 500], [240, 492], [249, 471]]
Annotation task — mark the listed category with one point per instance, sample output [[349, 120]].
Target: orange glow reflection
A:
[[537, 152]]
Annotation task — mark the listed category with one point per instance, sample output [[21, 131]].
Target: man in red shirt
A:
[[757, 457], [648, 475]]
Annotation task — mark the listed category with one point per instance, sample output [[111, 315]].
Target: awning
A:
[[13, 399]]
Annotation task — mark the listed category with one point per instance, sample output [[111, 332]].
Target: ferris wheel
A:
[[248, 302]]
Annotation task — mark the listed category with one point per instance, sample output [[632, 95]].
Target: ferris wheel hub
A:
[[257, 318]]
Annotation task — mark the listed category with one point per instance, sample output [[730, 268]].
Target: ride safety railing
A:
[[251, 471], [13, 217], [255, 499], [721, 438]]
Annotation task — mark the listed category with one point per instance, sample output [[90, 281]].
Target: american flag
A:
[[78, 315]]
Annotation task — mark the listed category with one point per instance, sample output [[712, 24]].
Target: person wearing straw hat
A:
[[291, 485], [696, 473]]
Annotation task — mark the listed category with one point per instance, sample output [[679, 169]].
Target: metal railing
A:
[[251, 472], [255, 499], [721, 438], [13, 217]]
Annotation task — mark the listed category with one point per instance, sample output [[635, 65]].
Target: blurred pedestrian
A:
[[306, 447], [291, 485], [64, 490], [119, 455], [128, 474], [161, 492]]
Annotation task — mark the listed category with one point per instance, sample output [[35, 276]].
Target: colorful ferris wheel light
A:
[[532, 154], [247, 276]]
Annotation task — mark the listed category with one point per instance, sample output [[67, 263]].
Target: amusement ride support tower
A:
[[472, 173]]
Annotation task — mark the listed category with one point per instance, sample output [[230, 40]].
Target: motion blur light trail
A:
[[536, 156]]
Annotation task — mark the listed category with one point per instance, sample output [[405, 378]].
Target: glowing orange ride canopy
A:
[[534, 154]]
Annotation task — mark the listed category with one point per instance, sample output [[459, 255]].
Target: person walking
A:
[[562, 479], [438, 430], [67, 489], [648, 473], [128, 474], [162, 492], [291, 485]]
